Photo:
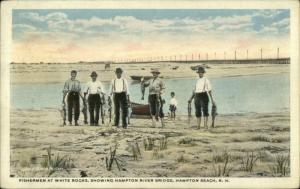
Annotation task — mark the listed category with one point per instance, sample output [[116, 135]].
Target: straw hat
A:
[[119, 70], [94, 74], [155, 71], [201, 70]]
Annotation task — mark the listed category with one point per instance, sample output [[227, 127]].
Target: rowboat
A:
[[140, 109], [138, 78], [195, 68]]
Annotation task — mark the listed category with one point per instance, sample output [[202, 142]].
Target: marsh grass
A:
[[280, 165], [248, 161], [221, 164], [57, 163], [148, 143], [136, 152], [112, 157], [156, 154], [181, 159], [24, 163], [187, 141], [261, 138], [163, 143]]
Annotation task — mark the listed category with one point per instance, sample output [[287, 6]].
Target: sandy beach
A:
[[178, 150], [58, 73]]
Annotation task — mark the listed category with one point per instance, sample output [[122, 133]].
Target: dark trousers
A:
[[201, 104], [94, 107], [155, 106], [73, 104], [120, 101]]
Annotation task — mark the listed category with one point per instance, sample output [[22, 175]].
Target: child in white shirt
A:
[[173, 105]]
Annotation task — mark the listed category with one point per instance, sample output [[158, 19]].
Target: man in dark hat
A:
[[72, 90], [94, 90], [156, 88], [201, 93], [120, 92]]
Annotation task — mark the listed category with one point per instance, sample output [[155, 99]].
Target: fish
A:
[[213, 115], [64, 109], [143, 88], [84, 110], [189, 113], [109, 103]]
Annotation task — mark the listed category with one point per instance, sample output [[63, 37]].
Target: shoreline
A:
[[30, 74]]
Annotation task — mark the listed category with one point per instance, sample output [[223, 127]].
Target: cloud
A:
[[60, 38]]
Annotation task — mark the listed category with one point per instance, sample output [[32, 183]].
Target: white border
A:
[[6, 39]]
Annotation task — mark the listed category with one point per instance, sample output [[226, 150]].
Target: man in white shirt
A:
[[120, 92], [202, 92], [94, 90], [173, 105]]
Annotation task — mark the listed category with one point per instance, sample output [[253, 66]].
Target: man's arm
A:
[[211, 97], [192, 96]]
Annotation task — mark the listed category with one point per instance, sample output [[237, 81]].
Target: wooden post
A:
[[261, 54], [278, 53], [235, 55], [199, 56]]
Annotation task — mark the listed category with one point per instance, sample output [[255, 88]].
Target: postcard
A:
[[150, 94]]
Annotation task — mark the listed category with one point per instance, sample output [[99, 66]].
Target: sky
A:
[[72, 35]]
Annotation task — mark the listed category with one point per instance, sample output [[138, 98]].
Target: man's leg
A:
[[117, 109], [124, 106], [91, 110], [77, 109], [198, 122], [70, 108], [205, 122], [97, 106]]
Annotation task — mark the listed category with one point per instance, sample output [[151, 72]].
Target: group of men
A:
[[94, 94]]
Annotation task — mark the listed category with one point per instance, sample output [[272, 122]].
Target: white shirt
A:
[[202, 85], [119, 85], [173, 101], [95, 87]]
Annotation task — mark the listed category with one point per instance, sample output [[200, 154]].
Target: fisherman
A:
[[201, 93], [95, 91], [173, 105], [120, 92], [156, 89], [73, 91]]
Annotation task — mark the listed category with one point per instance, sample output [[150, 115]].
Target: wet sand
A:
[[188, 152]]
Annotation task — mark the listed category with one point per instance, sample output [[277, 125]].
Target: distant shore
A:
[[58, 73]]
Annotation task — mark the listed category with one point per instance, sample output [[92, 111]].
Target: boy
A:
[[173, 105]]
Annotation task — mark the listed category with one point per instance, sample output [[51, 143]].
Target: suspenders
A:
[[122, 82]]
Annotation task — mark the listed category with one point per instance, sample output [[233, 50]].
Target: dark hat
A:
[[119, 70], [93, 74], [155, 71], [200, 70]]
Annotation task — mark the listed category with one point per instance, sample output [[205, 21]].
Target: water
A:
[[259, 93]]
